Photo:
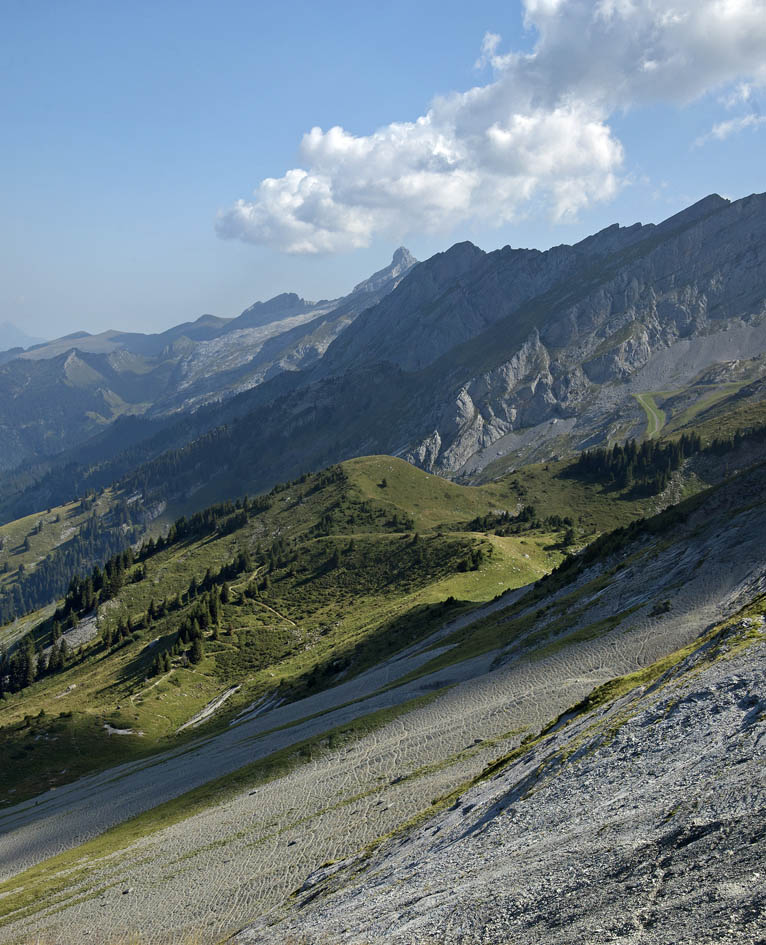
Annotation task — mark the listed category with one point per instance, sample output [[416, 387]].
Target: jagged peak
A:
[[611, 238], [401, 262], [403, 257], [277, 303], [284, 305]]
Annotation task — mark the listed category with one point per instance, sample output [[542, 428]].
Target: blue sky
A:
[[137, 137]]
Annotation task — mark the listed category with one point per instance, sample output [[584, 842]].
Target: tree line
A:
[[27, 663], [33, 588], [643, 468]]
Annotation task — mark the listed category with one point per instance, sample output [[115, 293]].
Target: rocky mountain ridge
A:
[[582, 345], [628, 313], [475, 359]]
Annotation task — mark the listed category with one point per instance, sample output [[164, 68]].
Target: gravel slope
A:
[[644, 825]]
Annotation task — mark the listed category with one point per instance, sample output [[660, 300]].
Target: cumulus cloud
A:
[[536, 134]]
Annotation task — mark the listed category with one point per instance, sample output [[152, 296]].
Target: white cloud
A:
[[537, 134], [725, 129], [741, 94]]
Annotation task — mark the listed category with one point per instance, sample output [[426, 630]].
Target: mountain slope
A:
[[514, 355], [635, 819], [279, 684], [332, 762]]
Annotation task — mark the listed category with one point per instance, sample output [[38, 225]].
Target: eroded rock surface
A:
[[643, 822]]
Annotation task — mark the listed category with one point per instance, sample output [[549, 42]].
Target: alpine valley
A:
[[435, 613]]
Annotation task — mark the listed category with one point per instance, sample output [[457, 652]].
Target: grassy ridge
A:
[[343, 568]]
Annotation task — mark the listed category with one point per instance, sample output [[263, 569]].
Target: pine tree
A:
[[215, 609], [42, 665], [28, 670], [197, 651]]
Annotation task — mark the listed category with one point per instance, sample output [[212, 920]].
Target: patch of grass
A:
[[431, 501], [655, 417], [726, 417], [551, 489], [703, 403]]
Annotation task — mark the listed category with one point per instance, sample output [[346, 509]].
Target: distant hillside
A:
[[63, 392], [471, 362], [13, 337]]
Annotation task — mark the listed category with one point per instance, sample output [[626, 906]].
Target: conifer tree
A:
[[28, 664], [197, 651], [42, 665]]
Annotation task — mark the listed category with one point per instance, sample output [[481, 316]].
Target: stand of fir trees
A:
[[111, 537], [26, 665], [644, 468], [98, 538], [647, 468], [526, 519]]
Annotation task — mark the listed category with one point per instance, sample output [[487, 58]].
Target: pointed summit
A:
[[401, 263], [403, 258]]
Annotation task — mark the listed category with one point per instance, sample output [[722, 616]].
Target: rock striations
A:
[[641, 821]]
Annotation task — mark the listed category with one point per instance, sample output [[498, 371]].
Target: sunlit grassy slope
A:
[[26, 541], [344, 568]]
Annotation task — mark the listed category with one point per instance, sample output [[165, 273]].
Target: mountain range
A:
[[92, 380], [471, 357], [434, 613]]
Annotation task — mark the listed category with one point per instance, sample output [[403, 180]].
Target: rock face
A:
[[483, 351], [641, 821], [598, 315], [469, 356]]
